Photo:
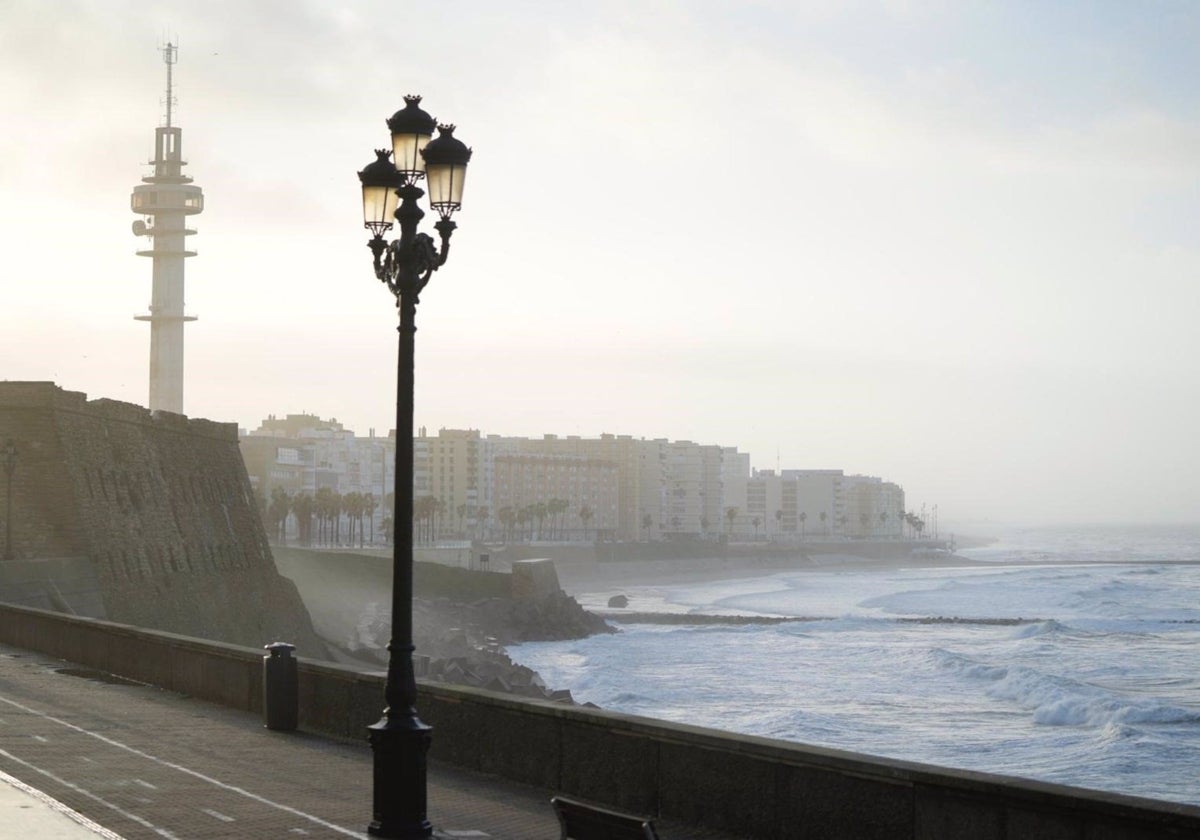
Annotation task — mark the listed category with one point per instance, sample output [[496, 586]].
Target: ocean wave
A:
[[1060, 701], [1113, 733], [1041, 628]]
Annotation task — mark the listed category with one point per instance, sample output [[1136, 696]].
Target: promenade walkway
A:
[[83, 755]]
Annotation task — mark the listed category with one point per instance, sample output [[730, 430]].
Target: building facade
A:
[[467, 485]]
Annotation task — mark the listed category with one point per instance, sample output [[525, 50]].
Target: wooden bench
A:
[[584, 821]]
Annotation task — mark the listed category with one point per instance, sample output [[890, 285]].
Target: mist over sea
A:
[[1100, 689]]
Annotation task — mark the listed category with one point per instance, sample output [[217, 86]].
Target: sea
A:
[[1067, 654]]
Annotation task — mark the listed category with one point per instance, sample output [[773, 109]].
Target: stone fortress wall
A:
[[156, 511]]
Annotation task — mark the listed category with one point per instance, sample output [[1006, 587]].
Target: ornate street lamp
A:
[[10, 466], [389, 189]]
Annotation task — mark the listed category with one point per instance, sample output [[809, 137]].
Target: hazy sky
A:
[[949, 243]]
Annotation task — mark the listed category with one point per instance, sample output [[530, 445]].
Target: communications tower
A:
[[165, 200]]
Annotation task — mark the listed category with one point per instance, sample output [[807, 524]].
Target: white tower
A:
[[167, 197]]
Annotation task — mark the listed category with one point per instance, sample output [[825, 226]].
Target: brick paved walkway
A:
[[147, 763]]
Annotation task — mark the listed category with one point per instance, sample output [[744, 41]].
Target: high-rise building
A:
[[165, 200]]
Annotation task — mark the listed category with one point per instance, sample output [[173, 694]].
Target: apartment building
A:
[[631, 488], [303, 453], [447, 467], [584, 490], [816, 504], [874, 508]]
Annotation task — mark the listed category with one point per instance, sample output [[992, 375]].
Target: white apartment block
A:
[[874, 508]]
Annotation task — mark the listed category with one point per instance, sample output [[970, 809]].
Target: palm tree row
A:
[[328, 508], [540, 520], [915, 523]]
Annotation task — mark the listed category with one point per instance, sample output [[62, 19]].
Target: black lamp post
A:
[[400, 740], [10, 466]]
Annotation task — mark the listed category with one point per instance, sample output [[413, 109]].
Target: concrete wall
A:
[[755, 787], [158, 504]]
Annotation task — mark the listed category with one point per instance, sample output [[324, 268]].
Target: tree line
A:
[[320, 517], [331, 518]]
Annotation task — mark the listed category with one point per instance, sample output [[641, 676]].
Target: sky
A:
[[952, 244]]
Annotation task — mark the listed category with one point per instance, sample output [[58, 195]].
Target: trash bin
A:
[[280, 687]]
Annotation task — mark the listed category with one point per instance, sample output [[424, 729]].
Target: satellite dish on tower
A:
[[140, 228]]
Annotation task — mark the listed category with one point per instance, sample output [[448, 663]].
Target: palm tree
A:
[[647, 523], [481, 518], [730, 514], [277, 511], [803, 519], [302, 509], [439, 511], [779, 522], [323, 506], [508, 518], [370, 505], [824, 527], [335, 515], [525, 515], [585, 516], [461, 510], [540, 512], [351, 506], [360, 512], [756, 522], [882, 522], [863, 519], [557, 507], [424, 509]]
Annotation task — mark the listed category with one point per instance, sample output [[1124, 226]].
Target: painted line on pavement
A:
[[262, 800], [59, 807], [80, 818]]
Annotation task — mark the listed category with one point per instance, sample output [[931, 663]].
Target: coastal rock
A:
[[463, 644]]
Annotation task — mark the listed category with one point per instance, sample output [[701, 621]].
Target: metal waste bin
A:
[[280, 687]]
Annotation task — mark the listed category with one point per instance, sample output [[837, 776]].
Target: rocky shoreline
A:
[[464, 620], [465, 643]]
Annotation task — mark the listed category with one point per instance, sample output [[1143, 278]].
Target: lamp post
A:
[[400, 740], [10, 466]]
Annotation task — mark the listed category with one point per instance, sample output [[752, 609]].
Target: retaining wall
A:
[[159, 506], [756, 787]]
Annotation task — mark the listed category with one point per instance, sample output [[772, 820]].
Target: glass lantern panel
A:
[[444, 183], [379, 205], [406, 151]]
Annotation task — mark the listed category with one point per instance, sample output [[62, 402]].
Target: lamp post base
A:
[[399, 748]]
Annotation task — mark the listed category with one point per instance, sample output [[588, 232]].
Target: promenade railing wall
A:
[[754, 787]]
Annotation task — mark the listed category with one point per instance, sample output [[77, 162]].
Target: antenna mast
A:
[[170, 56], [167, 198]]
